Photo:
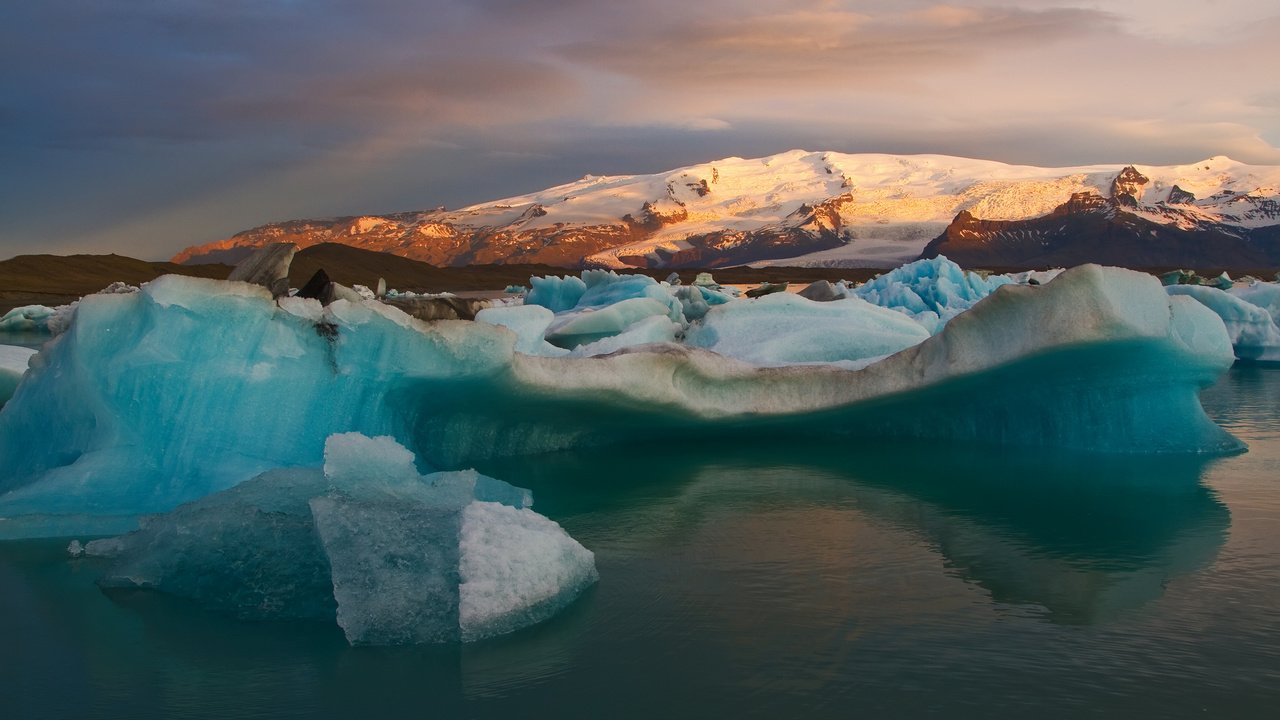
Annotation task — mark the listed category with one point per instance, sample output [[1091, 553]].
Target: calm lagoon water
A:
[[793, 581]]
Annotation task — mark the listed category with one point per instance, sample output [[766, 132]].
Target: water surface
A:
[[793, 580]]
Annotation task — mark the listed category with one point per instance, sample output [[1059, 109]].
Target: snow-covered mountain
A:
[[826, 208]]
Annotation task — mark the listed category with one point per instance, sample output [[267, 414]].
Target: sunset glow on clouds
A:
[[146, 126]]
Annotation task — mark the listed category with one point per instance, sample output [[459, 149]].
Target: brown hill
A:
[[60, 279], [56, 279], [349, 265]]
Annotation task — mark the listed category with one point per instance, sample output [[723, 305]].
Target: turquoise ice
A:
[[392, 556], [191, 386], [931, 291]]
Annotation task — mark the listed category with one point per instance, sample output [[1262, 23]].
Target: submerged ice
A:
[[392, 556]]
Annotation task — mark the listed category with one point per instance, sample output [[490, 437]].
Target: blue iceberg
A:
[[931, 291], [13, 365], [392, 556], [187, 388]]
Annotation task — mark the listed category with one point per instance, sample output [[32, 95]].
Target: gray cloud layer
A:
[[146, 126]]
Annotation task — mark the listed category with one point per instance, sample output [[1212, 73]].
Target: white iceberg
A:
[[786, 329], [1252, 328]]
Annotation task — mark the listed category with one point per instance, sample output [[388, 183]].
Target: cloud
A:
[[826, 46], [168, 122], [197, 70]]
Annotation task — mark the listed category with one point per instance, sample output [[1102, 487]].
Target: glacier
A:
[[392, 556], [190, 386]]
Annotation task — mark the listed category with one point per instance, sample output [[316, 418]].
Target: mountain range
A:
[[826, 209]]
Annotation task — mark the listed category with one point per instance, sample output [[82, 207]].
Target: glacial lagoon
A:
[[776, 580]]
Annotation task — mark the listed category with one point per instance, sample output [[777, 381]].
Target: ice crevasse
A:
[[191, 386]]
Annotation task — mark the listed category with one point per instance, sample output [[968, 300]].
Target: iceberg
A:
[[529, 323], [589, 325], [606, 288], [44, 320], [696, 300], [1252, 328], [786, 329], [13, 365], [1265, 295], [931, 291], [653, 329], [27, 319], [185, 389], [557, 294], [392, 556]]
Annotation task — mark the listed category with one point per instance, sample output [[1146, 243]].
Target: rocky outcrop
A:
[[1092, 229], [1178, 196], [1128, 186]]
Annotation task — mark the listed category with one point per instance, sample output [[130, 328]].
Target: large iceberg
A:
[[188, 387], [394, 557]]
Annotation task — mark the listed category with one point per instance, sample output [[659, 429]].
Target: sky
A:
[[143, 126]]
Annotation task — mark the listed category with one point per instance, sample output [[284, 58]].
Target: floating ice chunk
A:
[[13, 365], [251, 551], [26, 319], [822, 291], [52, 320], [606, 288], [1265, 295], [383, 555], [782, 329], [1253, 331], [696, 300], [517, 568], [587, 326], [529, 323], [356, 463], [306, 308], [933, 291], [394, 569], [653, 329], [557, 294]]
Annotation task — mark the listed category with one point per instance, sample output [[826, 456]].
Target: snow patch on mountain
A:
[[796, 206]]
